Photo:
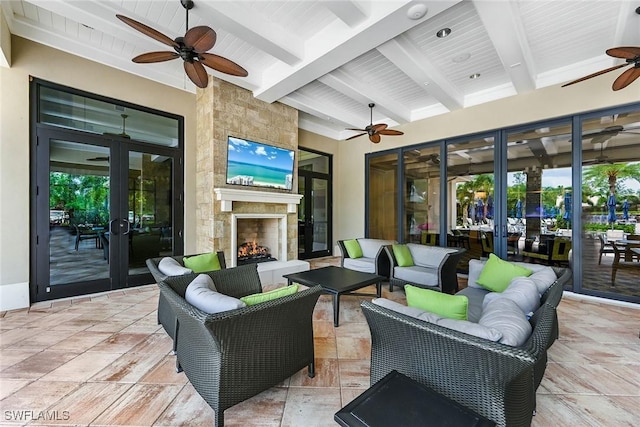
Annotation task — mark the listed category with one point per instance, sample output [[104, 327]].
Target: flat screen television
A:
[[253, 164]]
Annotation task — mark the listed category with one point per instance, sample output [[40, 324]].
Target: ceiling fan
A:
[[374, 131], [600, 159], [607, 133], [191, 48], [631, 54]]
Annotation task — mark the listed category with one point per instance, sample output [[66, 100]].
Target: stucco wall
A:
[[33, 59]]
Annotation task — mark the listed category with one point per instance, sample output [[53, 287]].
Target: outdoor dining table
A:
[[632, 246]]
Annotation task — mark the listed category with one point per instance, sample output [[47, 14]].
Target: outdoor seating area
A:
[[342, 366]]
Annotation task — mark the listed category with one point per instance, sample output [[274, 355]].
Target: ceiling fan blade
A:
[[201, 38], [357, 130], [626, 78], [625, 52], [379, 127], [223, 65], [196, 72], [390, 132], [355, 136], [148, 31], [595, 74], [149, 57], [375, 138]]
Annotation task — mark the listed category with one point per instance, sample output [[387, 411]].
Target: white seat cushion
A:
[[415, 274], [365, 265]]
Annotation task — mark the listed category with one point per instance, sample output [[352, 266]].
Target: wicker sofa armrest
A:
[[448, 271], [231, 356], [493, 379]]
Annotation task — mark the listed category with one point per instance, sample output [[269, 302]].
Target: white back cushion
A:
[[505, 316], [201, 294], [427, 256], [370, 247], [476, 266], [543, 279], [171, 267], [522, 291]]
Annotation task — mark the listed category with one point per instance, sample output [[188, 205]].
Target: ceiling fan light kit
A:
[[374, 131], [192, 48]]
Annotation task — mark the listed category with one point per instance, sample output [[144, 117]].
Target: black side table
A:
[[397, 400]]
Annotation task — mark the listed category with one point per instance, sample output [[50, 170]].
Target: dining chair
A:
[[605, 248], [621, 260]]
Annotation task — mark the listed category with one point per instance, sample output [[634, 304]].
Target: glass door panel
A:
[[471, 196], [539, 194], [320, 209], [302, 217], [422, 195], [314, 223], [149, 213], [77, 204], [382, 197], [611, 204]]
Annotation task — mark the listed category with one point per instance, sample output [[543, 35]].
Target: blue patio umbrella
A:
[[490, 207], [567, 206], [611, 203], [479, 210], [625, 210], [519, 209]]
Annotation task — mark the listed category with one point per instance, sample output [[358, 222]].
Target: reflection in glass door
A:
[[471, 186], [79, 203], [539, 194], [149, 213]]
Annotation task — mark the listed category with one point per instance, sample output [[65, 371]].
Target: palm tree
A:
[[612, 173]]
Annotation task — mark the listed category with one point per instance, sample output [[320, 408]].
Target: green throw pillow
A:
[[353, 248], [271, 295], [498, 273], [445, 305], [403, 255], [202, 263]]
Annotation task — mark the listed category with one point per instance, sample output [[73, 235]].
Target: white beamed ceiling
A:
[[329, 59]]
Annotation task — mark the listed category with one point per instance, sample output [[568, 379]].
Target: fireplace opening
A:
[[251, 252]]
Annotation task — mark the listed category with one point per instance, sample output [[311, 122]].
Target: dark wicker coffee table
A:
[[337, 281]]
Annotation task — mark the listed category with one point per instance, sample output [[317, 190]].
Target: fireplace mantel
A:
[[229, 195]]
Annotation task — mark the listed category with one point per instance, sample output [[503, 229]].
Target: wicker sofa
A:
[[496, 380], [373, 260], [166, 317], [231, 356], [434, 267]]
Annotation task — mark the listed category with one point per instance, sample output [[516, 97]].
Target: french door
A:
[[102, 206], [314, 215]]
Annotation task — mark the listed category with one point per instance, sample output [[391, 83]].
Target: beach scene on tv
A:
[[253, 164]]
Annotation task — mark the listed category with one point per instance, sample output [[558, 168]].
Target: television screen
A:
[[250, 163]]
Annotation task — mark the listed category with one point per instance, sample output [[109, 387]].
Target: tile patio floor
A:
[[102, 360]]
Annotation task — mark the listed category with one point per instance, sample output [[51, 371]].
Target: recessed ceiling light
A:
[[461, 58], [443, 33], [474, 76]]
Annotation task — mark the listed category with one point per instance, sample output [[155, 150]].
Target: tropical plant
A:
[[608, 178]]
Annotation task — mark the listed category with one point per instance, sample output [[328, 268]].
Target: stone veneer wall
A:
[[224, 109]]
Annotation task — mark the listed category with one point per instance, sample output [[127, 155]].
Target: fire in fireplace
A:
[[251, 252]]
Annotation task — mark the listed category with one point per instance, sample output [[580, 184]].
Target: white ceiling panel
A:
[[330, 59]]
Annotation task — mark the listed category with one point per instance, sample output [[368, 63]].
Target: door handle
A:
[[128, 226], [111, 227]]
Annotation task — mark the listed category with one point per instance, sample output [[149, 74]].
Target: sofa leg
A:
[[178, 367], [390, 286], [218, 419], [311, 370]]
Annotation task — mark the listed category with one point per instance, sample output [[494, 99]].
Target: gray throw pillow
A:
[[543, 279], [475, 268], [171, 267], [522, 291], [201, 294], [505, 316]]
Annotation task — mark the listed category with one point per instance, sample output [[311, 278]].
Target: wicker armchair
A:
[[493, 379], [166, 317], [231, 356]]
